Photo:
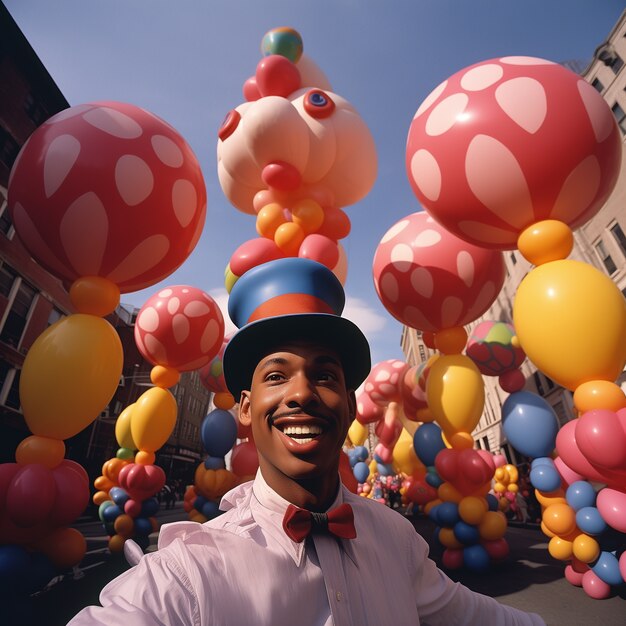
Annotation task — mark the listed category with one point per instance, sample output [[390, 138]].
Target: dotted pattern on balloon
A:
[[91, 194], [490, 156], [294, 154]]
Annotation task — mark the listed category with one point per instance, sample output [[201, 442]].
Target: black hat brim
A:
[[250, 344]]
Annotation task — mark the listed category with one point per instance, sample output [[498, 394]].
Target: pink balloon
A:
[[573, 577], [31, 495], [277, 76], [612, 506], [622, 565], [132, 508], [321, 249], [141, 481], [368, 411], [385, 453], [7, 472], [567, 474], [72, 488], [595, 587], [252, 253], [251, 89], [499, 460], [602, 439]]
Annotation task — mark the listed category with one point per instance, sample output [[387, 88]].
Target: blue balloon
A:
[[218, 432], [214, 463], [466, 533], [199, 502], [545, 477], [492, 502], [149, 507], [542, 460], [14, 565], [111, 513], [432, 478], [210, 510], [448, 514], [580, 494], [143, 526], [476, 558], [102, 508], [434, 514], [606, 568], [119, 496], [361, 471], [428, 442], [385, 470], [361, 453], [530, 424], [589, 520]]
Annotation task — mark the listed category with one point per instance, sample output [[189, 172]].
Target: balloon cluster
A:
[[511, 175], [91, 194], [294, 154]]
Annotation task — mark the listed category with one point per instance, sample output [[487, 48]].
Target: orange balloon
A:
[[493, 526], [145, 457], [99, 497], [560, 519], [288, 237], [449, 493], [599, 394], [94, 295], [43, 450], [102, 483], [112, 468], [309, 215], [124, 525], [451, 340], [268, 219], [65, 547], [116, 543], [223, 400], [163, 376], [448, 538], [545, 241]]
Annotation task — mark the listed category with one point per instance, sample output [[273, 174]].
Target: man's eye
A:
[[274, 377], [326, 376]]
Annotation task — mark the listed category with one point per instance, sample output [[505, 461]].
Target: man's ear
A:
[[244, 409], [352, 404]]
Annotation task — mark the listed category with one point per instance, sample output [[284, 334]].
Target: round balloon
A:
[[431, 280], [108, 189], [218, 432], [489, 154]]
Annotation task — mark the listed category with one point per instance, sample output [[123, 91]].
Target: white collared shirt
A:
[[242, 569]]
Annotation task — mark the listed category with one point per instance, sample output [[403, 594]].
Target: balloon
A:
[[601, 437], [357, 433], [336, 224], [179, 327], [573, 577], [153, 418], [569, 342], [502, 168], [472, 509], [284, 41], [490, 347], [448, 514], [79, 357], [559, 519], [276, 75], [72, 493], [589, 520], [404, 457], [498, 549], [244, 459], [108, 189], [448, 539], [211, 510], [218, 432], [545, 478], [43, 450], [420, 492], [530, 424], [606, 568], [213, 484], [493, 526], [123, 434], [31, 495], [456, 393], [321, 249], [476, 558], [430, 280], [361, 471], [585, 548], [560, 549], [65, 547], [595, 587], [612, 506], [252, 253], [427, 443], [124, 525], [141, 481], [466, 533], [452, 559], [580, 494]]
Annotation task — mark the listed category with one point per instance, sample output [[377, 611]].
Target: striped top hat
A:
[[285, 300]]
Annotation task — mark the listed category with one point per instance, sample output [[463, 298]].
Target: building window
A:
[[55, 316], [5, 218], [9, 148], [513, 259], [616, 63], [18, 315], [597, 85], [618, 233], [620, 116], [605, 257], [486, 443], [34, 109]]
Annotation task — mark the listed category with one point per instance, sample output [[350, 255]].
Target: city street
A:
[[529, 580]]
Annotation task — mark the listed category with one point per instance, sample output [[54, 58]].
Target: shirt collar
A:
[[268, 509]]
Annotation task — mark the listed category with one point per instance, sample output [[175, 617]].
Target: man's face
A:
[[299, 410]]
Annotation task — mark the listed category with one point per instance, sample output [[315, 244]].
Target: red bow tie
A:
[[298, 523]]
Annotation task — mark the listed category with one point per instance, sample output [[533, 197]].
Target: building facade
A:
[[600, 242]]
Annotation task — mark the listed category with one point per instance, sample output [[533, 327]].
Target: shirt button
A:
[[339, 596]]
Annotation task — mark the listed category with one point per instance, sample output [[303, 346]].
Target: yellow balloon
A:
[[358, 433], [153, 419], [373, 467], [404, 458], [122, 429], [585, 548], [570, 319], [560, 548], [455, 393], [70, 374], [472, 510]]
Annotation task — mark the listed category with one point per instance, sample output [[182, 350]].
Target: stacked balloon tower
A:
[[110, 199], [494, 161]]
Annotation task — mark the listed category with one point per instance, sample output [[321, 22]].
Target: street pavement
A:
[[529, 579]]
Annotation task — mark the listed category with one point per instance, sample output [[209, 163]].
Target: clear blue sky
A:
[[186, 61]]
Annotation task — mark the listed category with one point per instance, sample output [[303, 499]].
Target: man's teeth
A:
[[299, 431]]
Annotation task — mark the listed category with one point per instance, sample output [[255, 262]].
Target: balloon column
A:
[[490, 158], [294, 154], [178, 329], [109, 199]]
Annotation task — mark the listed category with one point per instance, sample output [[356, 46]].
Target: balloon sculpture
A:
[[178, 329], [492, 158], [294, 154], [110, 199]]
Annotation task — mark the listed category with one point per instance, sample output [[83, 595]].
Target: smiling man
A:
[[294, 546]]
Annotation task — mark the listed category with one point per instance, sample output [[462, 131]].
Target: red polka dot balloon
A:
[[509, 142], [179, 327], [108, 189], [430, 280]]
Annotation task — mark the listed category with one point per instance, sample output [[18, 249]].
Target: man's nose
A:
[[301, 391]]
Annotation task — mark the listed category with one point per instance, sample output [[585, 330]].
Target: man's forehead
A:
[[300, 348]]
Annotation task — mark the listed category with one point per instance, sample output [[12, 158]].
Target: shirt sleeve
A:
[[442, 602], [155, 591]]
